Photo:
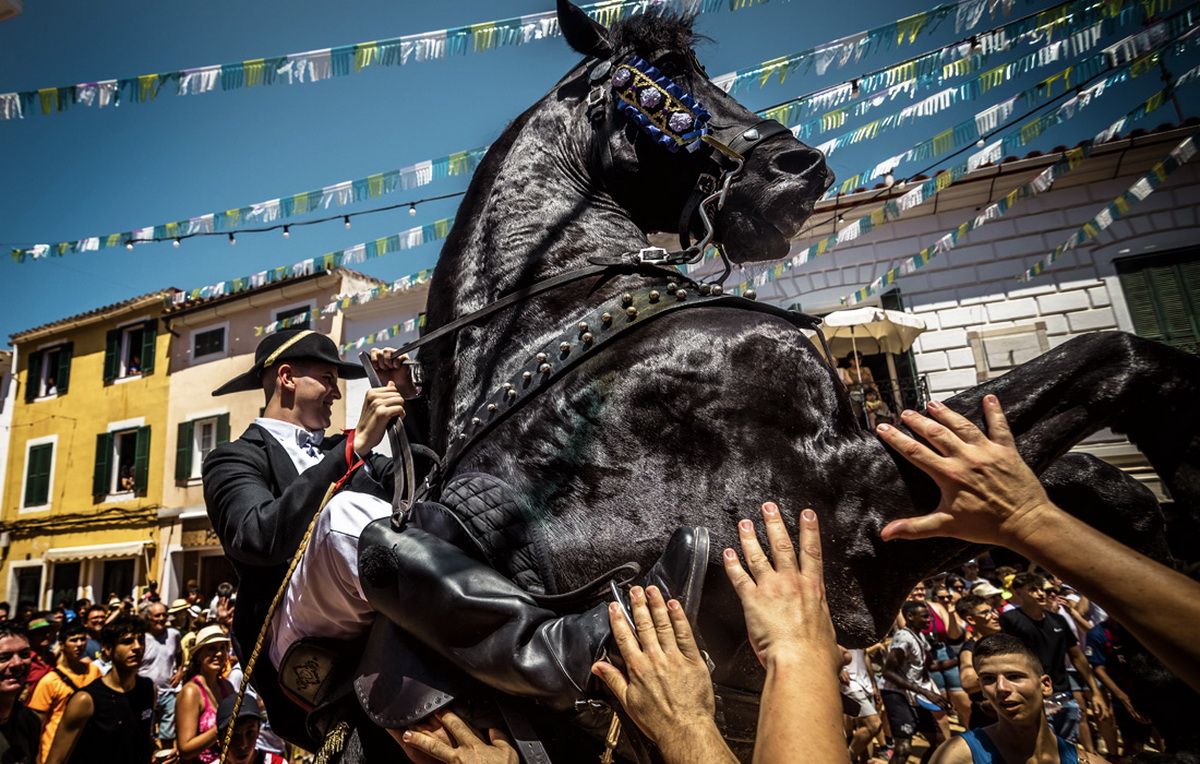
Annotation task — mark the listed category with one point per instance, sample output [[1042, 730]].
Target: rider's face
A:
[[316, 388]]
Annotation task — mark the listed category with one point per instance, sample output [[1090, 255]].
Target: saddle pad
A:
[[501, 524]]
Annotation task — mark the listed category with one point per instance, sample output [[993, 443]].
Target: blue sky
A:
[[91, 171]]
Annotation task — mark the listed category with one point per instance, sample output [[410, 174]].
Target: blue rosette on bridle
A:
[[662, 109]]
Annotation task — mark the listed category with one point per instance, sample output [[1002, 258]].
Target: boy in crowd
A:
[[111, 720], [984, 621], [71, 672], [1015, 685]]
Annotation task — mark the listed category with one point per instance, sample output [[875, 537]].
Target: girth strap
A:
[[595, 329]]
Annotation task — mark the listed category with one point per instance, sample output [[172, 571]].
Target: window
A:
[[1163, 295], [28, 579], [291, 313], [129, 351], [49, 371], [196, 440], [122, 462], [208, 342], [999, 351], [38, 471], [65, 586], [117, 578]]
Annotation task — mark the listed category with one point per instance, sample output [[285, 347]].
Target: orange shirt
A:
[[50, 699]]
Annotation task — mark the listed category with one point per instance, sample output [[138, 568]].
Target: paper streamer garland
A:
[[337, 195], [399, 286], [894, 209], [995, 211], [317, 65], [413, 237], [408, 325], [1138, 192]]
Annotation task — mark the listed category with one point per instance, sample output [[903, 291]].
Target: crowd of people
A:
[[127, 681]]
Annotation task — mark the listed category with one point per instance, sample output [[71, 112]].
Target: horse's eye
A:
[[671, 66]]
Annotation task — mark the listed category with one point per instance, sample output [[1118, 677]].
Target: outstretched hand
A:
[[384, 403], [989, 494], [453, 740], [666, 689], [785, 606]]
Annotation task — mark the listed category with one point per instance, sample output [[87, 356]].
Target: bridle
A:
[[727, 149]]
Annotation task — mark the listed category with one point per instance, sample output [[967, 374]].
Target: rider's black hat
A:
[[290, 345]]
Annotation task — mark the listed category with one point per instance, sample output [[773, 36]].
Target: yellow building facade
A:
[[86, 455]]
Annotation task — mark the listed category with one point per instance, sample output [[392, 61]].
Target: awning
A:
[[95, 552]]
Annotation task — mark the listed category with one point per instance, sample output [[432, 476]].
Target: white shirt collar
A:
[[289, 436]]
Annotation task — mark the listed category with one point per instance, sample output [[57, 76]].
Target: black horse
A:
[[698, 416]]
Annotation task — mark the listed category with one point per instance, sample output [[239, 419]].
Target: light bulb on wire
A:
[[346, 218], [175, 243], [129, 245], [287, 233], [232, 240], [412, 210]]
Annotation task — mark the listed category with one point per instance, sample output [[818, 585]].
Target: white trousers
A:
[[324, 599]]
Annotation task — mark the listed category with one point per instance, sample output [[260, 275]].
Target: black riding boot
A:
[[491, 628]]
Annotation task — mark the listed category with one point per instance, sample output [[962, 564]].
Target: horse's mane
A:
[[656, 29]]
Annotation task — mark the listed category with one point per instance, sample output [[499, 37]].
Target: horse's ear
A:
[[582, 33]]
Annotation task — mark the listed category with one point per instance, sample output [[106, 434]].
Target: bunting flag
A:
[[995, 211], [981, 124], [383, 335], [316, 65], [908, 84], [413, 237], [399, 286], [894, 209], [337, 195], [1138, 192]]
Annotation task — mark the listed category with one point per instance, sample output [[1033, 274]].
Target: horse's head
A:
[[665, 137]]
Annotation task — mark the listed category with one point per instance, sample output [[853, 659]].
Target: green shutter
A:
[[183, 452], [149, 335], [222, 429], [1141, 305], [64, 366], [112, 356], [141, 460], [33, 375], [37, 478], [102, 477]]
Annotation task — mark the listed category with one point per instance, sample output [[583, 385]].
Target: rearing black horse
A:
[[698, 416]]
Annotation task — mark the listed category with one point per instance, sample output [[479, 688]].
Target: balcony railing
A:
[[895, 395]]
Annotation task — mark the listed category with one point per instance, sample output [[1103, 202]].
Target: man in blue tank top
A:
[[1012, 679]]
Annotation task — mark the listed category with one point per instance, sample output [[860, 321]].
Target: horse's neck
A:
[[541, 216]]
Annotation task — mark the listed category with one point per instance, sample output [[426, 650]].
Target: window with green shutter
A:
[[129, 350], [196, 440], [1163, 295], [37, 475], [102, 474], [48, 372]]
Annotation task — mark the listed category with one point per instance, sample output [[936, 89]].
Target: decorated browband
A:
[[660, 107]]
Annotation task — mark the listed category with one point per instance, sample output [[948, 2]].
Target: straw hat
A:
[[209, 635]]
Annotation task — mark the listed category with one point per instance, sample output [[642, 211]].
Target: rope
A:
[[287, 577]]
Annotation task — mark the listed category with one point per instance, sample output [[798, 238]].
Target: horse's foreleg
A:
[[1140, 388]]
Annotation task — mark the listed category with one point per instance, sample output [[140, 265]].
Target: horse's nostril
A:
[[799, 161]]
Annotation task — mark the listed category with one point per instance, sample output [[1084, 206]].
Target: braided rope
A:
[[262, 634]]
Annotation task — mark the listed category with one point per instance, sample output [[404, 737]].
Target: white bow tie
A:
[[309, 441]]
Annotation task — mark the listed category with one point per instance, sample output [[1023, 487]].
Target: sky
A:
[[91, 172]]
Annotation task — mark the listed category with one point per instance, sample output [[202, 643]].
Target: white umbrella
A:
[[871, 330]]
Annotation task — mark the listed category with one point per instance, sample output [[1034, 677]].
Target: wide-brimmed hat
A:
[[986, 590], [290, 345], [209, 635], [178, 606]]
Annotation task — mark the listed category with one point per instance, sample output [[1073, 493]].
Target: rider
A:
[[263, 489]]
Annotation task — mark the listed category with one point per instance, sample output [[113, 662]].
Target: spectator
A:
[[947, 632], [162, 665], [179, 615], [202, 692], [42, 630], [1014, 683], [1049, 636], [110, 721], [1079, 628], [918, 592], [860, 688], [984, 621], [245, 733], [909, 694], [225, 597], [19, 727], [25, 611], [150, 594], [993, 596], [970, 572], [1104, 650], [5, 610], [71, 672], [93, 618]]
